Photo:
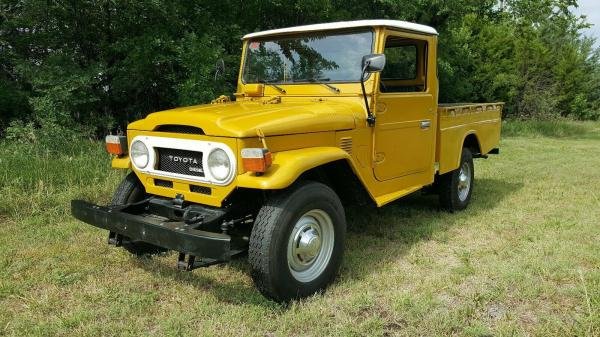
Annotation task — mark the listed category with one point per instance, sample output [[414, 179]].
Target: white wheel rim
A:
[[310, 245], [464, 181]]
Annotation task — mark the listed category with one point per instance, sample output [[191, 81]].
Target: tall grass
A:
[[558, 128], [37, 180]]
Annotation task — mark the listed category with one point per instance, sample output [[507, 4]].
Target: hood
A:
[[242, 119]]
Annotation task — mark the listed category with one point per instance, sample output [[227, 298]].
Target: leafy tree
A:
[[95, 65]]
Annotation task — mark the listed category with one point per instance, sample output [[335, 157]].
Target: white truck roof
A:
[[403, 25]]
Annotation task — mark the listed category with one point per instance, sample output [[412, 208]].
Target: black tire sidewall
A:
[[466, 157], [129, 191], [302, 200]]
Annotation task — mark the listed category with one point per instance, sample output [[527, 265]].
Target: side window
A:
[[405, 69], [401, 63]]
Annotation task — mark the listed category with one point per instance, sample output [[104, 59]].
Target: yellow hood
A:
[[242, 119]]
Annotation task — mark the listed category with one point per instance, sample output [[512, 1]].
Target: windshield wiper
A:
[[280, 89], [313, 80], [334, 89]]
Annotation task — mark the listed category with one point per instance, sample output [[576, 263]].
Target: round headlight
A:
[[139, 154], [219, 164]]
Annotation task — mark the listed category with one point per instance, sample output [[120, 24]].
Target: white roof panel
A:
[[403, 25]]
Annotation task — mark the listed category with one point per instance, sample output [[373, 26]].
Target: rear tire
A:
[[456, 187], [130, 191], [297, 242]]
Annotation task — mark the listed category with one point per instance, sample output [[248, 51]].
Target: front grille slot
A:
[[190, 130], [200, 189], [183, 162], [163, 183]]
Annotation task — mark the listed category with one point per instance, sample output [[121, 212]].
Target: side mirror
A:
[[373, 63]]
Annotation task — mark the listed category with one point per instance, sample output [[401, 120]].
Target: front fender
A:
[[289, 165], [121, 163]]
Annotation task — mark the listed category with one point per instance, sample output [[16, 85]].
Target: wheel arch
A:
[[451, 148], [471, 141], [340, 176], [329, 165]]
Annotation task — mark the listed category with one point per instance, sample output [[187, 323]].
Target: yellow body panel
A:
[[310, 125], [121, 163], [241, 119], [456, 122], [289, 165], [402, 148]]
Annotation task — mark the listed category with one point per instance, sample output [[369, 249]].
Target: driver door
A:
[[405, 128]]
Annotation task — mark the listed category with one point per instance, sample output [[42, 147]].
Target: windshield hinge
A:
[[273, 100], [221, 99]]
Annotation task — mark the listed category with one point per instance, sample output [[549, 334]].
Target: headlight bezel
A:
[[219, 177], [133, 153]]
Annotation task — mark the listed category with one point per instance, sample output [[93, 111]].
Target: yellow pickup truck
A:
[[324, 116]]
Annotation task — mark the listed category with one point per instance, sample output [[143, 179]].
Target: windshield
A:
[[318, 57]]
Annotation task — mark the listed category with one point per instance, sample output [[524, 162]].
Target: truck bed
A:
[[476, 106], [474, 123]]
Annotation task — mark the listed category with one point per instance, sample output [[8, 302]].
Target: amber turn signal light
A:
[[256, 159], [116, 145]]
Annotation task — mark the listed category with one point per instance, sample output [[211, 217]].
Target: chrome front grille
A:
[[180, 161]]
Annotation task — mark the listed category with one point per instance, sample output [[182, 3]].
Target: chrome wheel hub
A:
[[310, 245], [464, 181]]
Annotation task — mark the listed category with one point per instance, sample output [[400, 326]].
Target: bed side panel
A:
[[456, 122]]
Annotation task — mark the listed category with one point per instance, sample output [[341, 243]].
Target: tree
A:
[[96, 65]]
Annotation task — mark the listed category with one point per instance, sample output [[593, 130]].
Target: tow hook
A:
[[192, 217], [191, 262], [115, 239]]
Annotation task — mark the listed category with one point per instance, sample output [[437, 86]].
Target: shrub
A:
[[49, 138]]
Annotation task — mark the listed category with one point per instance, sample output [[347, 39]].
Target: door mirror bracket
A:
[[372, 63]]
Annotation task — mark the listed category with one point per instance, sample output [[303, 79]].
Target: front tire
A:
[[297, 242], [456, 187], [130, 191]]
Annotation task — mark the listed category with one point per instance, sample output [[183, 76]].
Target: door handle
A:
[[425, 124]]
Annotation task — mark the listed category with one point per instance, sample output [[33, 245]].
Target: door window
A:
[[405, 65]]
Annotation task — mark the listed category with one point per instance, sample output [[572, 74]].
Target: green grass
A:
[[551, 128], [523, 259]]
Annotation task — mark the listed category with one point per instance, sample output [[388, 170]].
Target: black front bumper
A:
[[173, 235]]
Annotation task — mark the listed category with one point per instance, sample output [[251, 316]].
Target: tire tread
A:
[[265, 230], [448, 186]]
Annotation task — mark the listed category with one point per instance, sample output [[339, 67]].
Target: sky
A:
[[591, 8]]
